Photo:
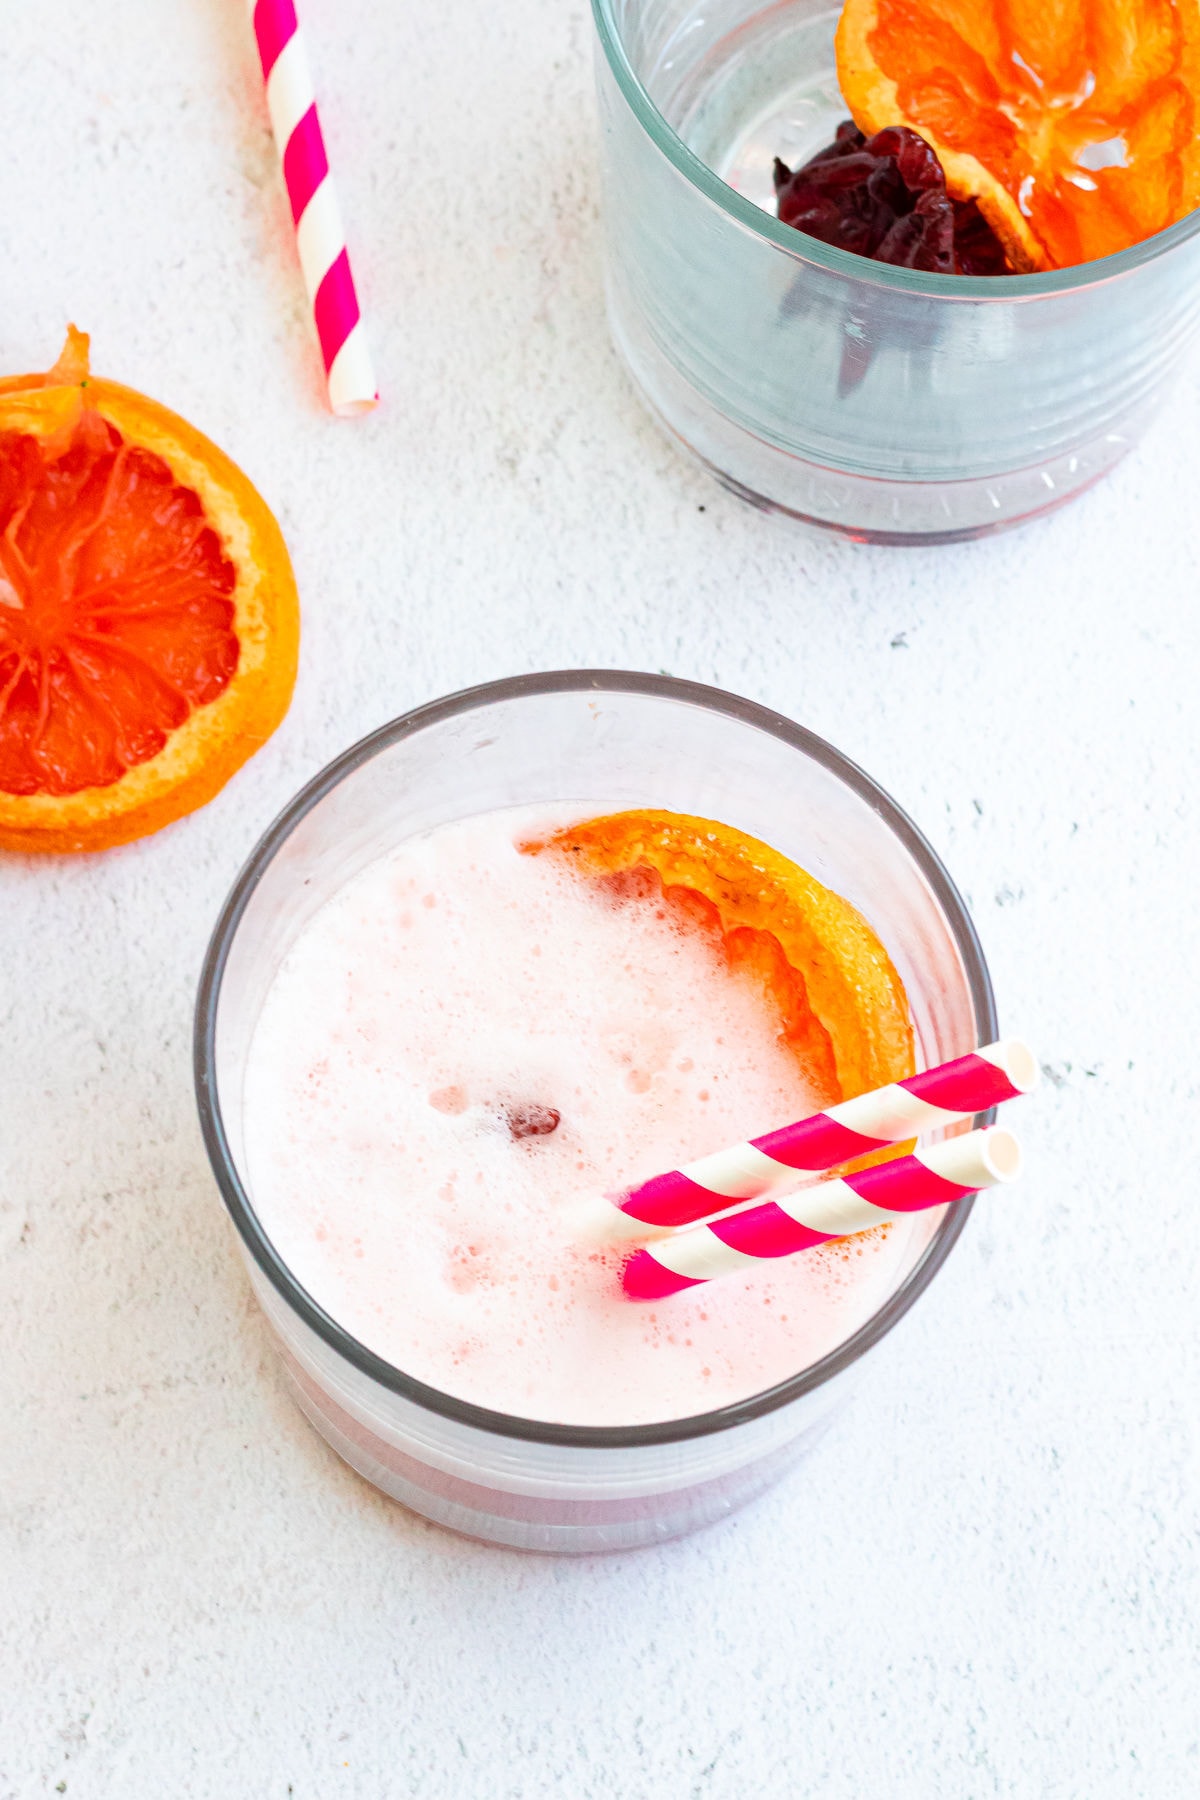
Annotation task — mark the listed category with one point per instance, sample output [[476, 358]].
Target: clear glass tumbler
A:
[[594, 739], [883, 403]]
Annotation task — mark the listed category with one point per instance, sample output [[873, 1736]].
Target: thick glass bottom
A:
[[867, 508], [568, 1524]]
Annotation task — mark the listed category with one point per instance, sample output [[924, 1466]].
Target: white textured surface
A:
[[984, 1582]]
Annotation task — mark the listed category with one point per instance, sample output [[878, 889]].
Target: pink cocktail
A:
[[417, 1049]]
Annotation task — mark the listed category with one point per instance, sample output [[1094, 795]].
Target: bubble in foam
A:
[[450, 1100], [531, 1121]]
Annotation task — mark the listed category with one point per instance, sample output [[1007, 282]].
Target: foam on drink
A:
[[462, 1045]]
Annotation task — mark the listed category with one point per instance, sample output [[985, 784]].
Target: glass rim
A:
[[237, 1201], [803, 248]]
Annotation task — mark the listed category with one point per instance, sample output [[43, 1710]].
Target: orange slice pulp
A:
[[149, 624], [1074, 125], [842, 1006]]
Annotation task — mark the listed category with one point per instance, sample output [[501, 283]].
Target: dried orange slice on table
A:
[[149, 625], [842, 1006], [1073, 125]]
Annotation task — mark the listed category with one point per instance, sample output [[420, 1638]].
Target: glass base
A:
[[558, 1526], [866, 508]]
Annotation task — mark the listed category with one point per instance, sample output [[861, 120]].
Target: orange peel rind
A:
[[841, 1002], [149, 623], [1074, 126]]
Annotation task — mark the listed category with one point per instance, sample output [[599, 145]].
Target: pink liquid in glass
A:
[[414, 1046]]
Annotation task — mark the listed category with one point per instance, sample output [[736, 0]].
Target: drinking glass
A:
[[884, 403], [592, 739]]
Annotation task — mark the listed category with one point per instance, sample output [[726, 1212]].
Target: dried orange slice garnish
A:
[[149, 624], [842, 1004], [1074, 126]]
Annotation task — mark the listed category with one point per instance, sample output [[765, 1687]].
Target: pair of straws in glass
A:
[[695, 1222]]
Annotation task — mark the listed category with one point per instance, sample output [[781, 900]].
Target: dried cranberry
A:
[[885, 197], [923, 238], [977, 249], [532, 1121]]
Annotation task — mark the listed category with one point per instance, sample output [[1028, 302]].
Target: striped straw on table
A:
[[833, 1208], [793, 1156], [320, 238]]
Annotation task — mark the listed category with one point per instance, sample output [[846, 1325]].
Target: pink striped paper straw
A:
[[789, 1158], [315, 213], [833, 1208]]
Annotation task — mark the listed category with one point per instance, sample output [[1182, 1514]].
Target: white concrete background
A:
[[984, 1582]]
